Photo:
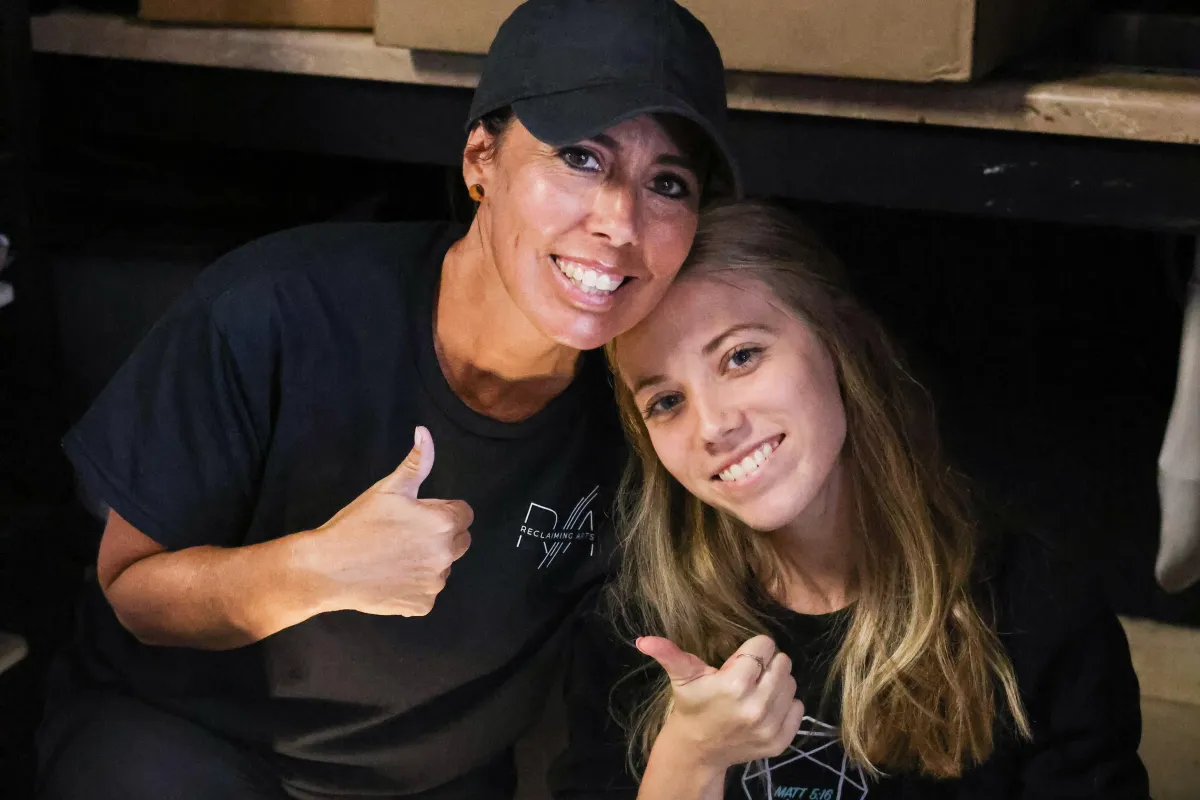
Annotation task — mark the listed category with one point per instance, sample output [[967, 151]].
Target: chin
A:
[[577, 340], [583, 329], [579, 330], [764, 517], [763, 523], [587, 340]]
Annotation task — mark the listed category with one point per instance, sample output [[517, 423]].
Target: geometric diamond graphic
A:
[[818, 743]]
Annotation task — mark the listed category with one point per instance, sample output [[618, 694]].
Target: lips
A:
[[590, 277], [749, 462]]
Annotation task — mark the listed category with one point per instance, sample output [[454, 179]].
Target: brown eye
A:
[[672, 186], [579, 158]]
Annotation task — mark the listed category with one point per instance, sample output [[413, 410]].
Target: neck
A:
[[815, 553], [494, 359]]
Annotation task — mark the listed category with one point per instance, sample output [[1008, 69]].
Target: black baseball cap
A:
[[570, 69]]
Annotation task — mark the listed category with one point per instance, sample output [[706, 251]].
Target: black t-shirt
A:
[[286, 382], [1072, 664]]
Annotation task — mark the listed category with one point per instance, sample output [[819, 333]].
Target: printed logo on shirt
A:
[[804, 793], [544, 531], [814, 767]]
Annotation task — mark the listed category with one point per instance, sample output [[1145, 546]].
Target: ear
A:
[[477, 156]]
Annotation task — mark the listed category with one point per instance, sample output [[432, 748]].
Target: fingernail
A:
[[417, 436]]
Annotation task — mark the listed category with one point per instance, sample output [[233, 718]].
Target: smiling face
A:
[[585, 238], [740, 399]]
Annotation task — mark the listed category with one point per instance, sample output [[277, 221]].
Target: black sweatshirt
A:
[[1072, 664]]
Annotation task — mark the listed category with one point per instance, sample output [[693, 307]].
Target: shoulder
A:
[[322, 266], [1073, 669], [1049, 606], [349, 244], [1033, 583]]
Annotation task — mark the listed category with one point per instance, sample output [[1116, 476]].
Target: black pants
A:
[[100, 745]]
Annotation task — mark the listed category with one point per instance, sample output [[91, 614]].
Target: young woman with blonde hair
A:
[[828, 616]]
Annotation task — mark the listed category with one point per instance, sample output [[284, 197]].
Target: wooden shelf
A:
[[1107, 104]]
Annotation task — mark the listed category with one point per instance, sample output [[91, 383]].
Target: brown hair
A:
[[921, 668]]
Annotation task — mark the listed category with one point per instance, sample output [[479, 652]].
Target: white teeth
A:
[[748, 465], [589, 280]]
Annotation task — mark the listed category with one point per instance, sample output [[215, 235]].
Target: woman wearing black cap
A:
[[264, 621]]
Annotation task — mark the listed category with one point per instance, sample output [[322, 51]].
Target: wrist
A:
[[678, 753], [304, 588]]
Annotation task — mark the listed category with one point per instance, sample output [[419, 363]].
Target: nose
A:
[[717, 421], [614, 214]]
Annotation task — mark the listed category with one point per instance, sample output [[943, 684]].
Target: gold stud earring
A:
[[476, 192]]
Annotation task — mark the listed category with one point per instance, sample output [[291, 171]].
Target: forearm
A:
[[673, 772], [213, 598]]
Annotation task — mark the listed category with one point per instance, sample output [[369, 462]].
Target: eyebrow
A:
[[745, 326], [606, 140], [650, 380], [666, 159], [683, 162]]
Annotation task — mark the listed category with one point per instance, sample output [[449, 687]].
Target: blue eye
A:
[[579, 158], [663, 404], [743, 357]]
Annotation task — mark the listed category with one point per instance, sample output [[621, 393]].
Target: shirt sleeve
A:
[[1085, 706], [175, 442], [601, 686]]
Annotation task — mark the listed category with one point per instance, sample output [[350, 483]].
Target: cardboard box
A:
[[275, 13], [906, 40]]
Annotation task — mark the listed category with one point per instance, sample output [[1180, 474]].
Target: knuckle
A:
[[779, 745], [445, 521], [751, 714], [739, 687], [419, 608]]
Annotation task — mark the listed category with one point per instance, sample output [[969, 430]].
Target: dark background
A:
[[1051, 348]]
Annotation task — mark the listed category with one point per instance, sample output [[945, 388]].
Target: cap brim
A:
[[568, 117]]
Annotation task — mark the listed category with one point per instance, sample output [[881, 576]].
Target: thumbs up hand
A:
[[743, 711], [389, 552]]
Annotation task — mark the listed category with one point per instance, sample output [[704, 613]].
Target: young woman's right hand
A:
[[389, 552], [743, 711]]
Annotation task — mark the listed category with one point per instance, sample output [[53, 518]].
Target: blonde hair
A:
[[921, 668]]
